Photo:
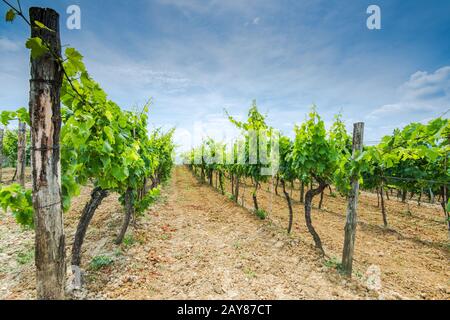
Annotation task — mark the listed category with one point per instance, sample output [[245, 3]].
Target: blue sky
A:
[[196, 57]]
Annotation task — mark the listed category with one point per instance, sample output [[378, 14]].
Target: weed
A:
[[333, 263], [261, 214], [250, 273], [359, 275], [99, 262], [129, 240], [25, 257], [118, 253], [165, 236]]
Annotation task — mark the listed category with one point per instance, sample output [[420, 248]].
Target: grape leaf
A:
[[42, 26], [10, 15], [37, 47]]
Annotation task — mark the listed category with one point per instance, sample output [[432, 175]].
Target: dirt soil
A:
[[197, 244], [412, 254]]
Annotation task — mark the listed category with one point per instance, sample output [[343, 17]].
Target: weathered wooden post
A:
[[2, 133], [21, 152], [45, 113], [445, 196], [350, 227]]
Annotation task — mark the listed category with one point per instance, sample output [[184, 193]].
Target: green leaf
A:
[[19, 201], [110, 134], [42, 26], [120, 173], [24, 115], [10, 15], [75, 61], [109, 115], [6, 117], [37, 47], [107, 147]]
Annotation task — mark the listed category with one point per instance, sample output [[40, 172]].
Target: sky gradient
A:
[[196, 58]]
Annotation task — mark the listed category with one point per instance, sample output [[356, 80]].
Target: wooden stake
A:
[[21, 153], [350, 227], [45, 114]]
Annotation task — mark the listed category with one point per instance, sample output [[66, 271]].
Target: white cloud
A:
[[145, 75], [424, 86], [220, 6], [7, 45], [256, 20], [401, 108], [423, 95]]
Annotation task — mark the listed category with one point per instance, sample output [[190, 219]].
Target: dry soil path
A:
[[198, 244]]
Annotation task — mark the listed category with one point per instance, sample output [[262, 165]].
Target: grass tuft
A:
[[261, 214], [100, 262]]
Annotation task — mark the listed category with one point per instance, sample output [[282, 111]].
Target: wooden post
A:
[[350, 227], [45, 114], [21, 152], [445, 198], [2, 133]]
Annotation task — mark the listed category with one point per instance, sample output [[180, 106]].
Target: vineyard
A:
[[95, 207]]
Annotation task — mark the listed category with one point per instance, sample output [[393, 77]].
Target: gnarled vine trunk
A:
[[254, 195], [419, 201], [276, 185], [95, 201], [288, 200], [236, 191], [97, 196], [321, 200], [302, 192], [232, 183], [202, 176], [404, 195], [308, 208], [45, 114], [221, 183], [129, 212], [383, 207]]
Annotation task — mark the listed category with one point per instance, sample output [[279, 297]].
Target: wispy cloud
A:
[[7, 45], [423, 95], [428, 86]]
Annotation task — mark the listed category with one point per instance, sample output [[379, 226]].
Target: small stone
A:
[[279, 245], [218, 289]]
